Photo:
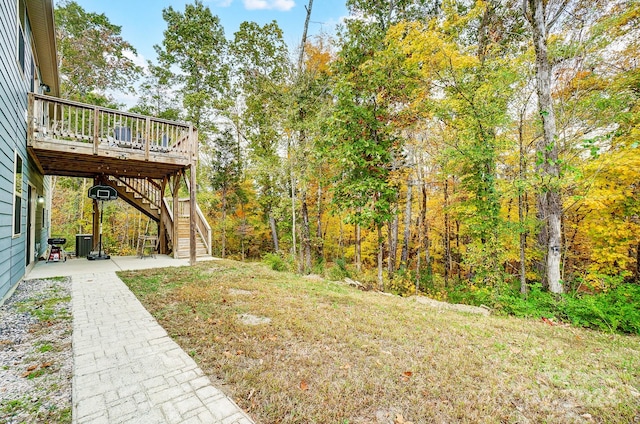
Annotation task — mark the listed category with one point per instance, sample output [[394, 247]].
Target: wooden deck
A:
[[140, 156], [79, 140]]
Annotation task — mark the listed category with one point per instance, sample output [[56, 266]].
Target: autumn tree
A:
[[262, 66], [195, 46], [362, 143], [93, 57], [224, 172], [156, 97], [542, 16]]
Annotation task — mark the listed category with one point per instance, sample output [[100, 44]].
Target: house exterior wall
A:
[[14, 86]]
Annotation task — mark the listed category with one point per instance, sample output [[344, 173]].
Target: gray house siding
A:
[[14, 86]]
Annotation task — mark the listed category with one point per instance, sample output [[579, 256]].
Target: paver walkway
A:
[[128, 370]]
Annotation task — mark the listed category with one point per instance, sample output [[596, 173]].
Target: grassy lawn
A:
[[333, 354]]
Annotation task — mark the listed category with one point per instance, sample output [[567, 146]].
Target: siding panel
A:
[[13, 129]]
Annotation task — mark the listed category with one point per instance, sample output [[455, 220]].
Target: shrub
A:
[[615, 310], [338, 271], [403, 283], [275, 262], [537, 303]]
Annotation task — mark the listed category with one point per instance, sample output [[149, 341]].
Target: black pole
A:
[[100, 236]]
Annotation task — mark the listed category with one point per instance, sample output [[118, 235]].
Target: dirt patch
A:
[[239, 292], [248, 319]]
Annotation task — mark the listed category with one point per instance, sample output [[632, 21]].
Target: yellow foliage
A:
[[402, 284]]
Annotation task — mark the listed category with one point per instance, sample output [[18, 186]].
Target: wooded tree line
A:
[[427, 145]]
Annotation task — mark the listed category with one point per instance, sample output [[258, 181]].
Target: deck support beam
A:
[[176, 213], [192, 214]]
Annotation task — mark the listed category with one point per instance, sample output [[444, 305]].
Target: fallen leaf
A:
[[408, 373], [547, 321], [239, 352], [46, 364], [26, 374], [32, 367], [304, 386]]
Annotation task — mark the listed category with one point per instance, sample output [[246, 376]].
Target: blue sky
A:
[[142, 23]]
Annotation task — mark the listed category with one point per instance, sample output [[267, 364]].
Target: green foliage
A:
[[193, 43], [318, 266], [472, 294], [537, 304], [338, 271], [615, 310], [275, 262], [45, 309]]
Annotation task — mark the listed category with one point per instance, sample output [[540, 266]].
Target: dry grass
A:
[[332, 354]]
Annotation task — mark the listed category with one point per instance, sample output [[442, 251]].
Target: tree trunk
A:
[[446, 239], [294, 249], [393, 242], [319, 236], [424, 229], [223, 242], [243, 232], [274, 233], [638, 263], [380, 257], [521, 216], [549, 201], [458, 251], [304, 34], [306, 235], [404, 258], [358, 254]]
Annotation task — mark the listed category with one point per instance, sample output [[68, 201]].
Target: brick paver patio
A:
[[128, 370]]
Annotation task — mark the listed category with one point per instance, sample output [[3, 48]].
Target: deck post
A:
[[176, 214], [95, 228], [193, 136], [31, 119], [162, 228], [192, 214]]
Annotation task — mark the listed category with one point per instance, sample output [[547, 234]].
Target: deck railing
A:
[[58, 120]]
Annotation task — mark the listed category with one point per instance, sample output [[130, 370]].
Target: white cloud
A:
[[138, 59], [282, 5]]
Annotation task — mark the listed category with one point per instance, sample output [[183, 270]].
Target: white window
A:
[[17, 195], [25, 59]]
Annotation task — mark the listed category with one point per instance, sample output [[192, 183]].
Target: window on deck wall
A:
[[25, 59], [17, 195]]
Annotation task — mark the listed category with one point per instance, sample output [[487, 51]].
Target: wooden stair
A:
[[146, 196], [183, 240], [142, 194]]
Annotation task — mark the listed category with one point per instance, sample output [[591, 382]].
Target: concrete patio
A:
[[126, 367], [75, 266]]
